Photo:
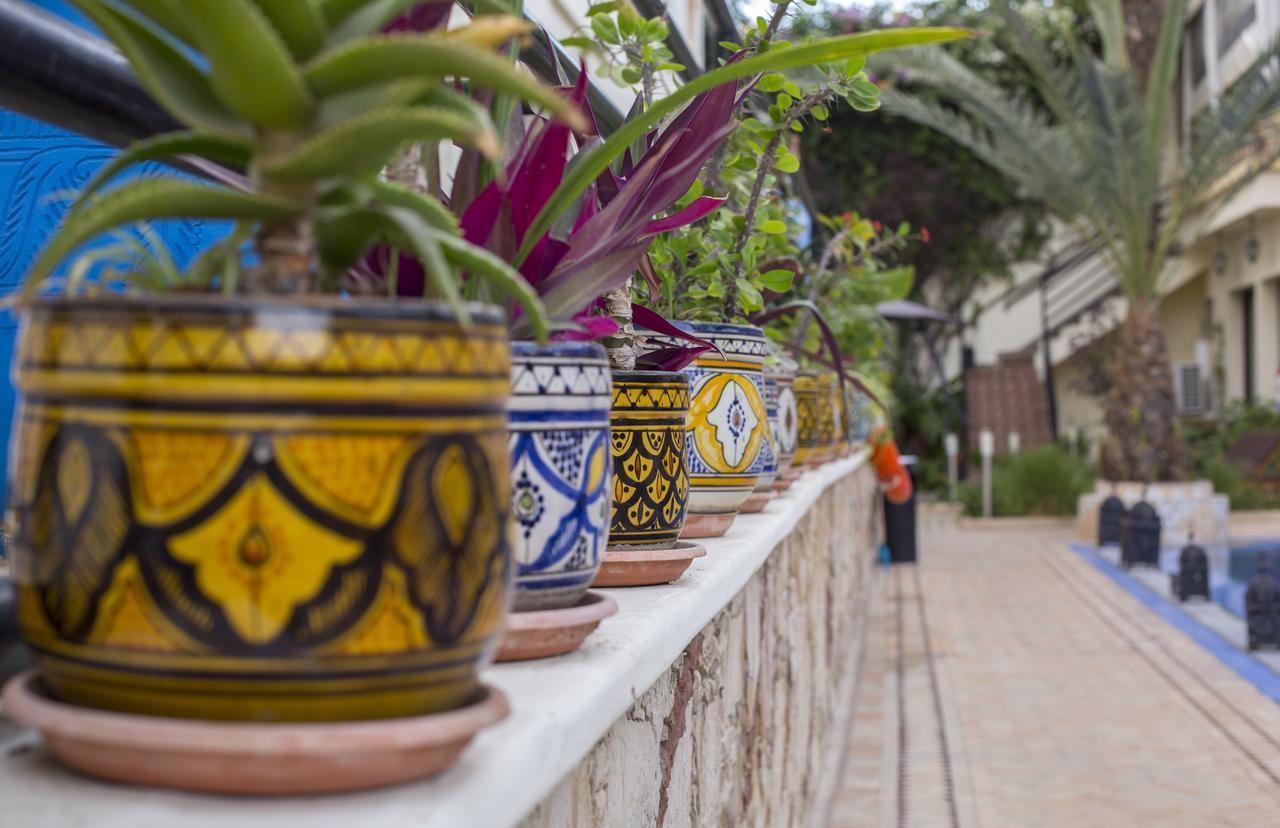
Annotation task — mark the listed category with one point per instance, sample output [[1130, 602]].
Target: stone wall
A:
[[748, 727]]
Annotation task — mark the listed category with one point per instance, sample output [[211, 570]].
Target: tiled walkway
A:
[[1009, 684]]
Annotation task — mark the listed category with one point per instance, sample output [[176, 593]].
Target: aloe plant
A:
[[311, 98]]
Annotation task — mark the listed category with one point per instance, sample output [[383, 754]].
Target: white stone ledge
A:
[[560, 708]]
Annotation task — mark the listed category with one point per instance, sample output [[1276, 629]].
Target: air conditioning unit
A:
[[1192, 387]]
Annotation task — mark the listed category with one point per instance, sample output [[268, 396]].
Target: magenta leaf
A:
[[698, 209], [421, 18], [668, 359]]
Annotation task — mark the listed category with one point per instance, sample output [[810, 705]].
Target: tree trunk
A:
[[1142, 19], [1140, 409]]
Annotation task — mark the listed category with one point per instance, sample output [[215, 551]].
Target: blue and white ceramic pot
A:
[[561, 469], [769, 448], [780, 403], [728, 425]]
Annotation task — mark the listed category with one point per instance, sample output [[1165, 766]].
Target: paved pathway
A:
[[1009, 684]]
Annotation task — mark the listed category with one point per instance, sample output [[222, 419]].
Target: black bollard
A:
[[1111, 516], [1262, 603], [1140, 545], [1193, 574]]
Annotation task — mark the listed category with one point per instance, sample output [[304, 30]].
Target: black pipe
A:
[[56, 72]]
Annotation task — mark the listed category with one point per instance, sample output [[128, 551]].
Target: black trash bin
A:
[[900, 521]]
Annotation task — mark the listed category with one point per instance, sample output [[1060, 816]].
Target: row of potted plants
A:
[[276, 486]]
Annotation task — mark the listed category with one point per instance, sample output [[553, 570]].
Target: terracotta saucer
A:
[[543, 633], [757, 502], [646, 567], [249, 757], [707, 526]]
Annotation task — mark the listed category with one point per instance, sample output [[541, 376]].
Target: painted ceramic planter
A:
[[779, 372], [769, 448], [816, 417], [858, 415], [560, 469], [650, 458], [263, 511], [728, 424]]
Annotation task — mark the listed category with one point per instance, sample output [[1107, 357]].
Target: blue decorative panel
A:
[[39, 166]]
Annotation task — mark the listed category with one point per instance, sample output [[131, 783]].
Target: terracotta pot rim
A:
[[592, 608], [426, 310], [27, 702], [681, 550]]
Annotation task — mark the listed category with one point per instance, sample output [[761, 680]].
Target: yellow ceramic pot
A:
[[261, 511], [816, 401]]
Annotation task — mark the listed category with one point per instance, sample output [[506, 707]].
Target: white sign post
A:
[[987, 448], [951, 443]]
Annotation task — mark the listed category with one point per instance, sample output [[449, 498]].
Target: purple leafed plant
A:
[[585, 256]]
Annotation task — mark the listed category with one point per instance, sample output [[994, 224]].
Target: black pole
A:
[[56, 72]]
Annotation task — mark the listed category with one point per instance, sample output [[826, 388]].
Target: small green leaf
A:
[[773, 227], [744, 163], [631, 75], [787, 164], [670, 67], [793, 90], [150, 199], [578, 42], [730, 46], [820, 112], [784, 101], [778, 281], [657, 29], [606, 30], [772, 82], [855, 64], [749, 298], [797, 126], [600, 8], [866, 88]]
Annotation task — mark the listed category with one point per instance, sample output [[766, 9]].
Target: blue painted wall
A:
[[36, 163]]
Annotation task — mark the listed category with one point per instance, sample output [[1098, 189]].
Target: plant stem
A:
[[763, 172]]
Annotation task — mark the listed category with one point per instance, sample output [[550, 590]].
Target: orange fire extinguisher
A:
[[895, 482]]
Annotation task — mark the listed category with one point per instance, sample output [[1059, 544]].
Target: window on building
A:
[[1195, 48], [1234, 16]]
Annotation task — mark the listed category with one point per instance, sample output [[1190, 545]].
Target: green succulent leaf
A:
[[393, 194], [344, 237], [424, 241], [150, 199], [351, 19], [167, 15], [166, 73], [339, 108], [160, 147], [595, 161], [299, 23], [503, 277], [364, 144], [376, 60], [250, 67]]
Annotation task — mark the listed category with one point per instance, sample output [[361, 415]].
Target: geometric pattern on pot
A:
[[787, 426], [561, 469], [728, 424], [261, 511], [769, 446], [650, 458], [808, 401]]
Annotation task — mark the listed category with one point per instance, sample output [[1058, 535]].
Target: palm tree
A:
[[1089, 143]]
